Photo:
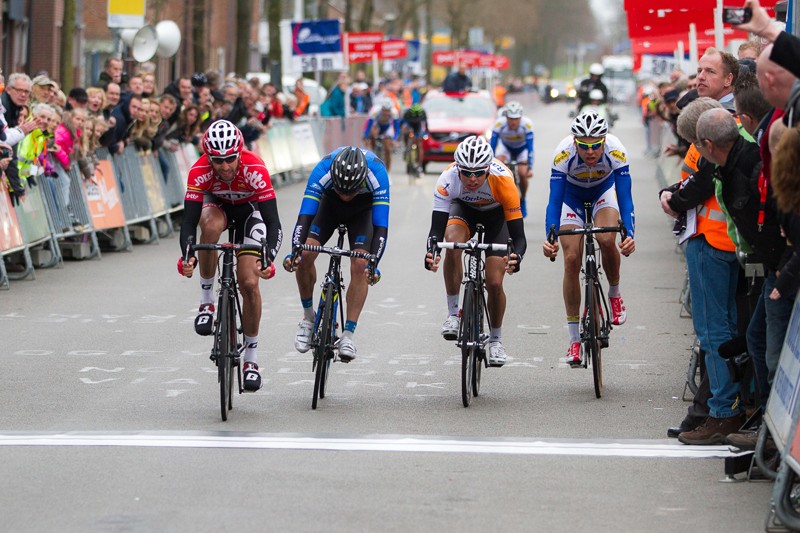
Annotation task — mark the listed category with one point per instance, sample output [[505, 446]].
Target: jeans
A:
[[713, 276], [766, 333]]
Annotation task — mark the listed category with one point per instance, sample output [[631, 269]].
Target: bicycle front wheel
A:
[[469, 343], [224, 343], [595, 347], [323, 335]]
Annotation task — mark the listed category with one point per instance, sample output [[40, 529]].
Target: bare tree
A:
[[242, 36], [199, 44], [66, 66]]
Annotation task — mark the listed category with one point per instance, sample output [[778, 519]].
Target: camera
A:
[[5, 152], [736, 15]]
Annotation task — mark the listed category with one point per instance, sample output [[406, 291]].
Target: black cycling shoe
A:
[[204, 321], [252, 379]]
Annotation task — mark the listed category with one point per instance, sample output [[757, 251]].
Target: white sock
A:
[[574, 333], [452, 304], [496, 335], [206, 290], [613, 291], [250, 347]]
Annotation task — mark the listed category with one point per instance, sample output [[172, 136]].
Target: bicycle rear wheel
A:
[[323, 335], [595, 352], [469, 341], [480, 354], [223, 338]]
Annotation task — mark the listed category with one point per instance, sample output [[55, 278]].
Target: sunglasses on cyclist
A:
[[473, 173], [590, 146], [229, 159]]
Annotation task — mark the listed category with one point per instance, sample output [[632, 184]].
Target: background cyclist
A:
[[594, 81], [229, 185], [348, 186], [589, 165], [383, 121], [415, 120], [477, 189], [512, 140]]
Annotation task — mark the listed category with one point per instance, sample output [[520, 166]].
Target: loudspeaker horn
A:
[[169, 38], [144, 44], [127, 35]]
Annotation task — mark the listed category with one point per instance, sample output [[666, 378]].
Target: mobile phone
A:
[[736, 15]]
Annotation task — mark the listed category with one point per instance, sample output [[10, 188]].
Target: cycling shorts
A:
[[415, 126], [355, 214], [602, 196], [493, 220], [248, 226], [518, 155], [387, 130]]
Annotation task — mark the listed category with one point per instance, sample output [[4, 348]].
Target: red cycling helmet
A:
[[222, 139]]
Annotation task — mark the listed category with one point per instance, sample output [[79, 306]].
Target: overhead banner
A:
[[362, 46], [317, 45]]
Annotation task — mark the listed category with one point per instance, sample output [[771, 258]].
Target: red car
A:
[[452, 117]]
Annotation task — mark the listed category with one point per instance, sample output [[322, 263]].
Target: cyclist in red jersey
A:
[[230, 187]]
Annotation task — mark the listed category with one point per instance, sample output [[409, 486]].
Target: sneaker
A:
[[302, 339], [618, 311], [497, 354], [204, 321], [450, 328], [713, 431], [252, 379], [573, 357], [524, 207], [347, 350]]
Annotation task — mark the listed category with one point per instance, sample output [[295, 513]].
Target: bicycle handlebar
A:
[[472, 245], [335, 251], [552, 234], [229, 246]]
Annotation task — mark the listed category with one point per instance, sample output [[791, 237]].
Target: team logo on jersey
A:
[[442, 189], [561, 157], [255, 179], [618, 155]]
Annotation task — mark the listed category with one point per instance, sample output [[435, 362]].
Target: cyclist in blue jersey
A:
[[349, 186], [383, 121], [589, 165], [512, 140]]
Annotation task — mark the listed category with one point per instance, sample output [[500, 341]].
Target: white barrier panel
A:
[[782, 407]]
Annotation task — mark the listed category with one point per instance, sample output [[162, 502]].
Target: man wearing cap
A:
[[43, 90]]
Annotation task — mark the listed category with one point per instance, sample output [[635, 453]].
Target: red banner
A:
[[502, 62], [394, 49], [445, 58], [361, 46], [469, 58]]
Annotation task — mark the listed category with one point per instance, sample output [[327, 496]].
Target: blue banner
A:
[[316, 37]]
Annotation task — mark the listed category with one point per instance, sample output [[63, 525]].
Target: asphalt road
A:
[[110, 418]]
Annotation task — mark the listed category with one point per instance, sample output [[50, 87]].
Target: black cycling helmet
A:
[[348, 169]]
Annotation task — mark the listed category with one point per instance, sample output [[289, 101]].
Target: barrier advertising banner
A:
[[10, 234], [317, 45], [783, 398], [394, 49], [103, 198]]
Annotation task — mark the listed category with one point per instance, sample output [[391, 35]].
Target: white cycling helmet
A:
[[589, 124], [596, 69], [386, 104], [474, 153], [513, 110], [595, 94], [222, 139]]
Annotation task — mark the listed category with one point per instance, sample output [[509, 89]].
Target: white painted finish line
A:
[[371, 443]]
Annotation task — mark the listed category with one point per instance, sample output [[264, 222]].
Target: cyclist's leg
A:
[[359, 235], [522, 172], [457, 231], [213, 222], [608, 215], [502, 153]]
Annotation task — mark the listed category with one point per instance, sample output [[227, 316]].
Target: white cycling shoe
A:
[[496, 353], [302, 339]]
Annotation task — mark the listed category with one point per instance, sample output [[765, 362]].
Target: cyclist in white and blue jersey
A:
[[589, 165], [512, 140], [349, 186]]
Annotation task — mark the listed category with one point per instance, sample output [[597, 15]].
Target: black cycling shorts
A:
[[355, 214], [248, 227], [495, 229]]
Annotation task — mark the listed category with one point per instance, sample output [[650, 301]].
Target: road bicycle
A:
[[595, 324], [512, 166], [228, 334], [411, 155], [472, 335], [328, 323]]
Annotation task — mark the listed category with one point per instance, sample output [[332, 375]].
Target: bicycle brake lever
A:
[[551, 238]]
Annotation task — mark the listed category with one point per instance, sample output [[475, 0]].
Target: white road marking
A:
[[388, 443]]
